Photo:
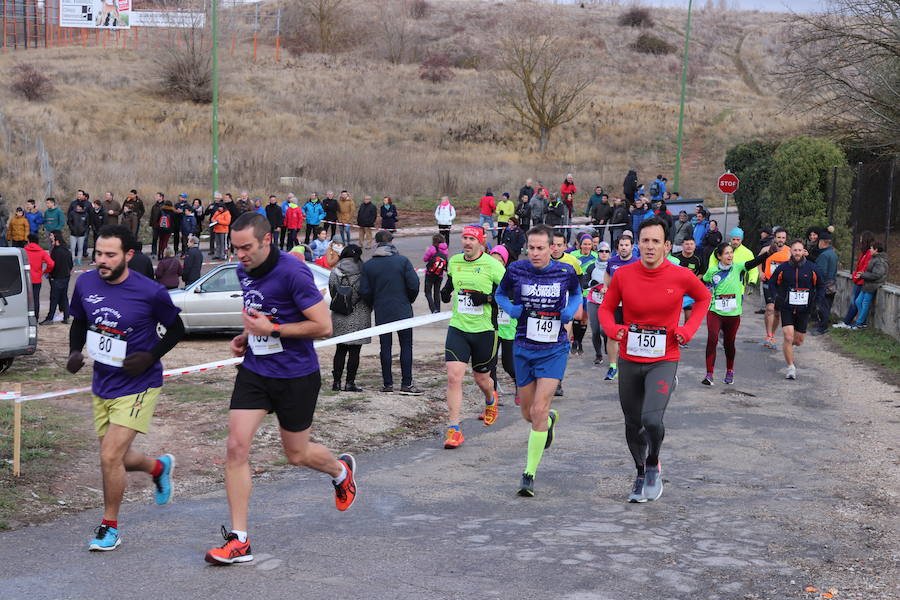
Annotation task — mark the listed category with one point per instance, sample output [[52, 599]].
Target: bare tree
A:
[[844, 66], [326, 17], [393, 17], [541, 83]]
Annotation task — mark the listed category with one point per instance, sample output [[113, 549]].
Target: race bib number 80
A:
[[106, 349]]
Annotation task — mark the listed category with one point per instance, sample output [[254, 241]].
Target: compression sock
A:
[[108, 523], [340, 478], [241, 535], [613, 365], [536, 442], [157, 469]]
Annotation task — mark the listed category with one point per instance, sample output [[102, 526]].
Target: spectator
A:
[[630, 186], [242, 205], [111, 208], [199, 213], [527, 190], [568, 201], [505, 209], [661, 210], [700, 231], [332, 254], [18, 230], [4, 220], [444, 214], [293, 222], [826, 265], [657, 188], [59, 277], [618, 221], [346, 208], [712, 239], [513, 239], [435, 259], [96, 218], [345, 280], [523, 211], [188, 226], [134, 208], [319, 245], [390, 285], [539, 202], [140, 262], [154, 222], [313, 213], [486, 208], [600, 214], [638, 212], [79, 224], [40, 263], [275, 217], [169, 270], [389, 216], [330, 205], [596, 198], [681, 230], [54, 217], [555, 214], [166, 226], [873, 278], [866, 238], [812, 242], [221, 223], [34, 216], [365, 218], [182, 207], [282, 242], [82, 198], [193, 261]]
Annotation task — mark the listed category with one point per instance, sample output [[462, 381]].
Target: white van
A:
[[18, 325]]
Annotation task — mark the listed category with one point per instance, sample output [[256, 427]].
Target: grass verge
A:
[[871, 346]]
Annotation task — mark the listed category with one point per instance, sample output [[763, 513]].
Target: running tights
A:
[[597, 336], [729, 325], [644, 392], [578, 330], [506, 357]]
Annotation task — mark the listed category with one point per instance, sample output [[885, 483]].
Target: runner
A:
[[543, 295], [624, 255], [796, 290], [688, 259], [283, 313], [726, 281], [506, 332], [472, 277], [593, 282], [586, 257], [780, 255], [558, 253], [649, 359], [116, 312]]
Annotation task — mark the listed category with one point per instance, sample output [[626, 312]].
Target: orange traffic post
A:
[[255, 35], [277, 48]]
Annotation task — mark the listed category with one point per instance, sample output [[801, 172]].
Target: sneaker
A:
[[841, 325], [708, 380], [336, 386], [791, 372], [554, 417], [232, 551], [352, 387], [818, 332], [611, 374], [454, 439], [770, 343], [518, 401], [526, 486], [580, 350], [106, 538], [729, 378], [491, 411], [683, 346], [46, 322], [345, 491], [858, 327], [410, 390], [598, 360], [653, 485], [163, 481], [559, 390], [637, 490], [388, 389]]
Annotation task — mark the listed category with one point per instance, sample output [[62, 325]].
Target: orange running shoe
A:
[[345, 491], [481, 416], [491, 412], [232, 551], [454, 439]]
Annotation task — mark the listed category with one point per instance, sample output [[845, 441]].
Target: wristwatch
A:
[[276, 330]]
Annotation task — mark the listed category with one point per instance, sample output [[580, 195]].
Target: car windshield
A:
[[225, 280]]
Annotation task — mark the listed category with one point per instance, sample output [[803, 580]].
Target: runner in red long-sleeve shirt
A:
[[651, 293]]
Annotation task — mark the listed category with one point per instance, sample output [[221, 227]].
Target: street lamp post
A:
[[215, 96], [684, 68]]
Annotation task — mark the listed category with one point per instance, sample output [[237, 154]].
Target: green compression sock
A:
[[536, 442]]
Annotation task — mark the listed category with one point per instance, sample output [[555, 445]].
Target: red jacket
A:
[[567, 188], [861, 264], [37, 256], [488, 205], [293, 218]]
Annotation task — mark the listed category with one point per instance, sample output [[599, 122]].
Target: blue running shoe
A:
[[106, 539], [653, 484], [637, 490], [611, 374], [163, 481]]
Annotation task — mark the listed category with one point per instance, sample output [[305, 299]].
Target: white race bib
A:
[[798, 297], [649, 342], [106, 349], [502, 317], [726, 303], [596, 295], [264, 344], [543, 328], [464, 305]]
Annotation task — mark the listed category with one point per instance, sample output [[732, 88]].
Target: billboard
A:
[[96, 14]]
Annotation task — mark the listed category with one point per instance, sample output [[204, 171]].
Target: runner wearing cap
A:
[[283, 314], [472, 278], [651, 293], [624, 255], [543, 295], [506, 332], [780, 256], [594, 285]]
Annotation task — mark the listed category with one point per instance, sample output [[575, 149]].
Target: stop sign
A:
[[728, 183]]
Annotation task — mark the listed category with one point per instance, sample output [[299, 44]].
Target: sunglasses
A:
[[604, 251]]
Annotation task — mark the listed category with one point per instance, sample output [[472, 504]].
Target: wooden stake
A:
[[17, 431]]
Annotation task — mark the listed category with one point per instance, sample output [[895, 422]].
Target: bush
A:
[[650, 44], [636, 17], [30, 83], [185, 72], [419, 9], [436, 68]]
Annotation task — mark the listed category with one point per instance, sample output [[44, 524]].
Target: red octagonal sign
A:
[[728, 183]]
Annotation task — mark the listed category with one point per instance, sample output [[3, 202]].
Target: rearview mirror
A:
[[198, 289]]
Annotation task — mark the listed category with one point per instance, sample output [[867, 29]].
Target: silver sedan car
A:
[[214, 302]]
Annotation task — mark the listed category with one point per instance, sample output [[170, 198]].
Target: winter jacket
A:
[[444, 214], [657, 189], [313, 212], [274, 215], [630, 185], [505, 209], [700, 230], [389, 216], [514, 240], [168, 272], [601, 212], [188, 222], [525, 190], [346, 208], [389, 284], [129, 219], [801, 276], [827, 263], [193, 262], [330, 206], [85, 204], [78, 222], [862, 264], [555, 214], [141, 263], [681, 231], [570, 207], [294, 217], [875, 274], [431, 251], [487, 205], [167, 211], [367, 215], [538, 206], [712, 239], [115, 207], [348, 272], [619, 216], [567, 188], [154, 214], [222, 220], [666, 216], [593, 201], [97, 218], [318, 248], [637, 216], [39, 260], [62, 261], [35, 220], [18, 229], [54, 218]]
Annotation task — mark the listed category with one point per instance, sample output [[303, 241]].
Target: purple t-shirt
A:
[[282, 294], [543, 295], [122, 316], [615, 262]]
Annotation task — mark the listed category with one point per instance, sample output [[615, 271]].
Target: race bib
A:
[[726, 302], [464, 305], [596, 295], [502, 317], [649, 342], [264, 344], [105, 348], [798, 297], [543, 328]]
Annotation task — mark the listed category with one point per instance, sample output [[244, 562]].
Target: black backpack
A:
[[343, 301], [437, 264]]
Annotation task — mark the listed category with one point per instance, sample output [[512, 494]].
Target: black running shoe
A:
[[526, 487], [554, 417], [559, 390]]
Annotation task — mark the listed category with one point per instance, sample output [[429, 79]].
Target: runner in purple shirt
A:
[[625, 255], [115, 314], [283, 314]]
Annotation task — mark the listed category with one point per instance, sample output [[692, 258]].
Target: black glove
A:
[[478, 298], [137, 363], [75, 362], [447, 291]]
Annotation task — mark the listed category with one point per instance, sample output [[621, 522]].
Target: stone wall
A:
[[885, 312]]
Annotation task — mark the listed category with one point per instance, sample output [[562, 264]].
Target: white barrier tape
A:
[[342, 339]]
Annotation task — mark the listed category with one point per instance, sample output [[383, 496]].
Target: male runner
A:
[[472, 277], [283, 313], [651, 293], [116, 311], [624, 255], [689, 259], [779, 254], [558, 253], [543, 295], [796, 289]]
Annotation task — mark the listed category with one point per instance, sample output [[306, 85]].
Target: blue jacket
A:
[[389, 284], [188, 223], [700, 231], [284, 207], [636, 218], [35, 220], [827, 264], [313, 212]]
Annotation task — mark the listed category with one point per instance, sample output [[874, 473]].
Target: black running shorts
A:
[[480, 347], [767, 295], [292, 400], [798, 319]]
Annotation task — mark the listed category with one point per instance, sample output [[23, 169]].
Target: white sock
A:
[[340, 478], [242, 535]]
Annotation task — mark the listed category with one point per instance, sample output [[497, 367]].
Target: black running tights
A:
[[506, 357], [644, 392]]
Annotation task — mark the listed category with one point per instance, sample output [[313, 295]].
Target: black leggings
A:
[[596, 330], [350, 353], [644, 392], [506, 357], [578, 330], [433, 291], [311, 230]]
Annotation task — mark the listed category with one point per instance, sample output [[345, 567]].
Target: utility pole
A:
[[215, 96], [684, 68]]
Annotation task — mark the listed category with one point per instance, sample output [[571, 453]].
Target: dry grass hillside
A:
[[354, 120]]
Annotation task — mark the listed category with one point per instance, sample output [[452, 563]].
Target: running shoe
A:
[[580, 349], [387, 389], [708, 380], [858, 327], [770, 342], [517, 400], [653, 484], [598, 360], [491, 411], [454, 439], [637, 490], [791, 372], [841, 325], [611, 374], [559, 390], [410, 390], [554, 417], [232, 551], [526, 486], [163, 481], [336, 386], [105, 538], [729, 378], [345, 491], [352, 387]]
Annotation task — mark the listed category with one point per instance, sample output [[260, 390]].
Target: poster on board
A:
[[95, 14]]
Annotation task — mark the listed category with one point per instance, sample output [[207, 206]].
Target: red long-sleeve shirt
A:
[[653, 298]]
